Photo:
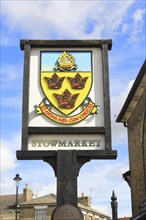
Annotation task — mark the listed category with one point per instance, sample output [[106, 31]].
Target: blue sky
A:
[[122, 21]]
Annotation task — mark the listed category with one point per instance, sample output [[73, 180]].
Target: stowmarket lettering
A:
[[65, 143]]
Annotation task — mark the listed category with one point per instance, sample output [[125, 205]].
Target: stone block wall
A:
[[28, 213], [137, 153]]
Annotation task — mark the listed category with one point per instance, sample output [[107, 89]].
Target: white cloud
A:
[[125, 28], [137, 26], [12, 102], [64, 19], [7, 41], [103, 177], [11, 86], [119, 132], [40, 189], [138, 16], [8, 158], [7, 185], [8, 154], [10, 73]]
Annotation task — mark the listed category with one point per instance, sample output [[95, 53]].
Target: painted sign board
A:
[[66, 142], [66, 104]]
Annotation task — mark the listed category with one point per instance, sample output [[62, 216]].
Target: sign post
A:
[[66, 109]]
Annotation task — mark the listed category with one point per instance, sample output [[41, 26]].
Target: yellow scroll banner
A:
[[89, 108]]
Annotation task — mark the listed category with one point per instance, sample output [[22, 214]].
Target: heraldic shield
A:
[[65, 87]]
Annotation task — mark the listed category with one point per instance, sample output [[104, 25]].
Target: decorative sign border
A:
[[105, 45]]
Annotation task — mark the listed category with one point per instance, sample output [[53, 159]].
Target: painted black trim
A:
[[25, 97], [66, 130], [106, 96], [65, 43], [91, 154]]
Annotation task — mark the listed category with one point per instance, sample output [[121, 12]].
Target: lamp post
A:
[[17, 180]]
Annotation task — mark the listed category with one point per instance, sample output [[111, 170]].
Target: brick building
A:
[[133, 116], [42, 207], [8, 206], [8, 203]]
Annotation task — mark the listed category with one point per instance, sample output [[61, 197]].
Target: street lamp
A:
[[17, 180]]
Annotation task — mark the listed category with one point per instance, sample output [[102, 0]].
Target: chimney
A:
[[84, 199], [27, 193]]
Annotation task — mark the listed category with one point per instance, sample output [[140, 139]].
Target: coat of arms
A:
[[66, 88]]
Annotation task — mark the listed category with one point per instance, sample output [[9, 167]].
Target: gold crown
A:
[[77, 82], [66, 62], [66, 99], [54, 82]]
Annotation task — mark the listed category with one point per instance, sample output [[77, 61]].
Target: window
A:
[[90, 216], [84, 214], [40, 213]]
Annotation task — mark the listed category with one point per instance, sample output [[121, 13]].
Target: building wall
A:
[[8, 217], [50, 210], [137, 153], [28, 213]]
